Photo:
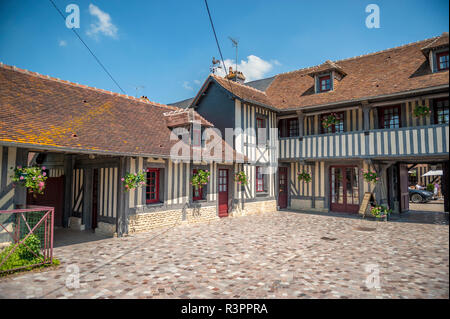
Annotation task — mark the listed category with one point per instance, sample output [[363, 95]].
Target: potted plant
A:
[[200, 178], [380, 212], [421, 111], [330, 120], [241, 178], [370, 176], [33, 178], [304, 176], [133, 180]]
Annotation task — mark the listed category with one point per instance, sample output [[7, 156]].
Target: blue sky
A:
[[167, 46]]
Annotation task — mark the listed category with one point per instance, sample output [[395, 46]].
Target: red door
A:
[[404, 194], [282, 185], [53, 197], [223, 192], [344, 189]]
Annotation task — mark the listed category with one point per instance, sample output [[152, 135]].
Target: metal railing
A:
[[26, 237]]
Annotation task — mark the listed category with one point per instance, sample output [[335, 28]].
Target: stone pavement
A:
[[272, 255]]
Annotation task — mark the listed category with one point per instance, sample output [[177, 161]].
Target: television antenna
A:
[[137, 88], [235, 43]]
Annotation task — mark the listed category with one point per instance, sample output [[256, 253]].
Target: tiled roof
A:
[[185, 117], [391, 71], [327, 66], [48, 112]]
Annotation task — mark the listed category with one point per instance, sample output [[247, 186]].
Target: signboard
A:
[[368, 197]]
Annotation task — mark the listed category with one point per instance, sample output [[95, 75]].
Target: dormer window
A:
[[442, 61], [326, 75], [324, 83]]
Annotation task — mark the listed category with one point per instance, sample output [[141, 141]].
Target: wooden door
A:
[[344, 189], [53, 197], [223, 192], [282, 187], [404, 194]]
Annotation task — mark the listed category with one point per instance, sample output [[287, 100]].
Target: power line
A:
[[92, 53], [218, 45]]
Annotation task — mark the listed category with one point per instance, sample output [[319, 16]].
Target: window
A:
[[442, 61], [196, 136], [261, 185], [260, 130], [389, 117], [152, 188], [324, 83], [335, 128], [199, 193], [288, 127], [292, 127], [441, 114]]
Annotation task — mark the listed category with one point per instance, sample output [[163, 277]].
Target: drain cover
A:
[[361, 228], [327, 238]]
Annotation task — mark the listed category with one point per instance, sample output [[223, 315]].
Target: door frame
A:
[[343, 166], [228, 190], [286, 167]]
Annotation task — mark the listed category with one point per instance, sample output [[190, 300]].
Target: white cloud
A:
[[187, 86], [254, 68], [198, 82], [103, 25], [62, 43]]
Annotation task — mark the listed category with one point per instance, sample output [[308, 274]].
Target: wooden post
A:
[[366, 116], [20, 196], [69, 162], [122, 212]]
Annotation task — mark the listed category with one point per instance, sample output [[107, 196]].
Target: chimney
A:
[[235, 76]]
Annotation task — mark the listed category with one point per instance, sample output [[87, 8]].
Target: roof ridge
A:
[[362, 55], [241, 84], [48, 77]]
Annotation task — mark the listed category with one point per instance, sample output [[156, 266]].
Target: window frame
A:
[[157, 181], [436, 108], [322, 77], [438, 63], [381, 118], [260, 119], [196, 140], [333, 127], [260, 181], [289, 121]]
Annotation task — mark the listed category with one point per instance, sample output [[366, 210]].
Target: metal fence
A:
[[26, 237]]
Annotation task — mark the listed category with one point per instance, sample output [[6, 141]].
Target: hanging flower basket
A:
[[330, 120], [421, 111], [380, 211], [370, 176], [200, 178], [133, 180], [33, 178], [304, 176], [241, 178]]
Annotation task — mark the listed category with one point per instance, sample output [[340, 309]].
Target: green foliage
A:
[[241, 178], [32, 178], [370, 176], [304, 176], [430, 188], [22, 256], [200, 178], [380, 211], [330, 120], [421, 111], [135, 180]]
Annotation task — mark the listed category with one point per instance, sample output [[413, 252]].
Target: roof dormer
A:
[[436, 53], [325, 75]]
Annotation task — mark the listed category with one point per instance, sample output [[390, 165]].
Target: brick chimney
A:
[[235, 76]]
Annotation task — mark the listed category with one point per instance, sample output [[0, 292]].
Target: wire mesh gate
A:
[[26, 237]]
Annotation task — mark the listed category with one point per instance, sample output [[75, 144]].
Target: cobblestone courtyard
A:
[[273, 255]]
